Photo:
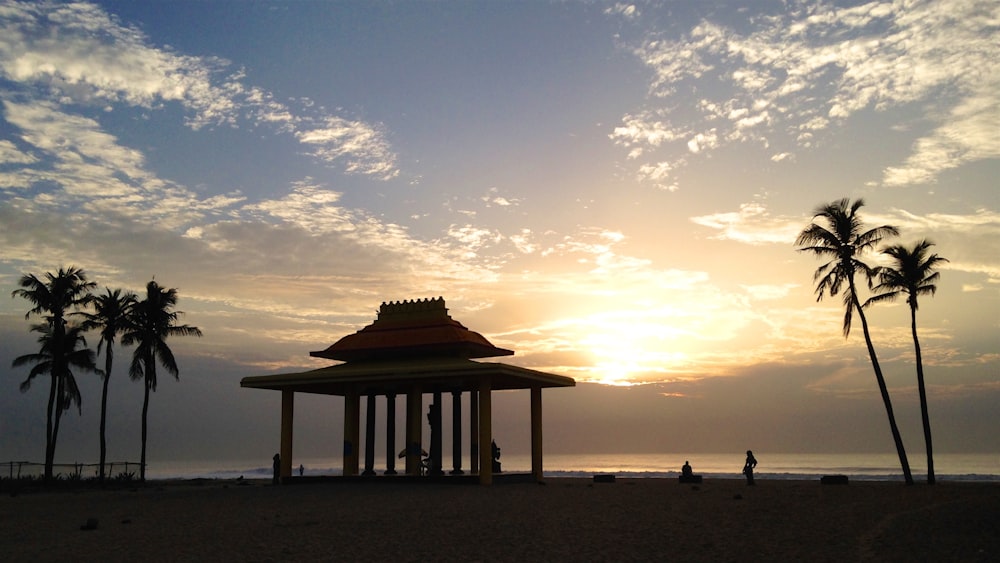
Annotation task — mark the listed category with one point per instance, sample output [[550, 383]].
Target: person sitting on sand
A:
[[748, 467], [686, 469]]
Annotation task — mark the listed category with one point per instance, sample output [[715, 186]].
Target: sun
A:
[[628, 352]]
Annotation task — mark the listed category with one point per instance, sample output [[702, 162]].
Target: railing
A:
[[29, 469]]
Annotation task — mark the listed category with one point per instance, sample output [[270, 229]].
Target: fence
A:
[[29, 469]]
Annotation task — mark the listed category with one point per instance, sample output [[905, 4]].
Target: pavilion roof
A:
[[400, 375], [412, 329], [412, 344]]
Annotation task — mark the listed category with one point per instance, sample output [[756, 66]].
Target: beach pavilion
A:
[[413, 348]]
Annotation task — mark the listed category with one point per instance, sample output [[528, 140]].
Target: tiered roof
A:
[[410, 330]]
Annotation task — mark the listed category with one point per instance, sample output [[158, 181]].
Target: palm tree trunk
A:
[[923, 398], [108, 358], [55, 426], [883, 390], [145, 411], [49, 423]]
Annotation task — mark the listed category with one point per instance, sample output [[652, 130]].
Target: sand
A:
[[562, 520]]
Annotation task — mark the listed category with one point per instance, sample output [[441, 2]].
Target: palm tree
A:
[[110, 313], [61, 351], [52, 297], [912, 273], [842, 240], [150, 322]]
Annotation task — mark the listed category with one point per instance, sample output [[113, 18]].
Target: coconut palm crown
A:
[[110, 314], [841, 238], [912, 273], [51, 298], [150, 322]]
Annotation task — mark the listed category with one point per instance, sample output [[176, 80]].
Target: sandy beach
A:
[[564, 519]]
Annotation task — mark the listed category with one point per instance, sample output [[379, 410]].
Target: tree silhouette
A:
[[912, 273], [51, 298], [842, 240], [60, 352], [150, 322], [110, 314]]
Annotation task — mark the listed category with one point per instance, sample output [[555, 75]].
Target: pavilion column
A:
[[536, 433], [414, 429], [474, 431], [435, 423], [287, 416], [370, 436], [456, 429], [390, 434], [485, 432], [352, 432]]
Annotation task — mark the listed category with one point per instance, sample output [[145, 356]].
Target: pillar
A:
[[287, 416], [352, 432], [434, 417], [390, 434], [414, 429], [536, 433], [474, 431], [370, 436], [456, 433], [485, 433]]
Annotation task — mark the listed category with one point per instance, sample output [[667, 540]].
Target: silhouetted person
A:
[[495, 451], [686, 469], [302, 469], [748, 467], [434, 458], [277, 469]]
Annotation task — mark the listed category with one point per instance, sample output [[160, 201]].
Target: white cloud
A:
[[362, 145], [628, 11], [10, 154], [93, 169], [814, 66], [752, 224], [77, 54]]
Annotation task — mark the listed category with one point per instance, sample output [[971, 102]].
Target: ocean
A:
[[872, 467]]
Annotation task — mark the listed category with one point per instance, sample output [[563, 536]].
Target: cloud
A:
[[811, 67], [78, 55], [752, 224], [362, 145], [85, 166], [94, 59], [968, 135], [628, 11]]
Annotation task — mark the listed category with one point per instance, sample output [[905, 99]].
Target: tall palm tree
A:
[[842, 240], [150, 322], [51, 298], [109, 317], [912, 273], [59, 354]]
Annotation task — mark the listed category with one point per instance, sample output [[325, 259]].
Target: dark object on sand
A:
[[604, 478], [833, 479], [687, 474], [90, 525]]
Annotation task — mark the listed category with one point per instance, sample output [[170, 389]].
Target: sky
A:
[[613, 190]]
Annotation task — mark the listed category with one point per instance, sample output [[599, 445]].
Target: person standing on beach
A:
[[276, 466], [748, 467]]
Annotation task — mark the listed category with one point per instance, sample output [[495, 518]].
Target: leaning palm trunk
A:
[[923, 398], [896, 437]]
